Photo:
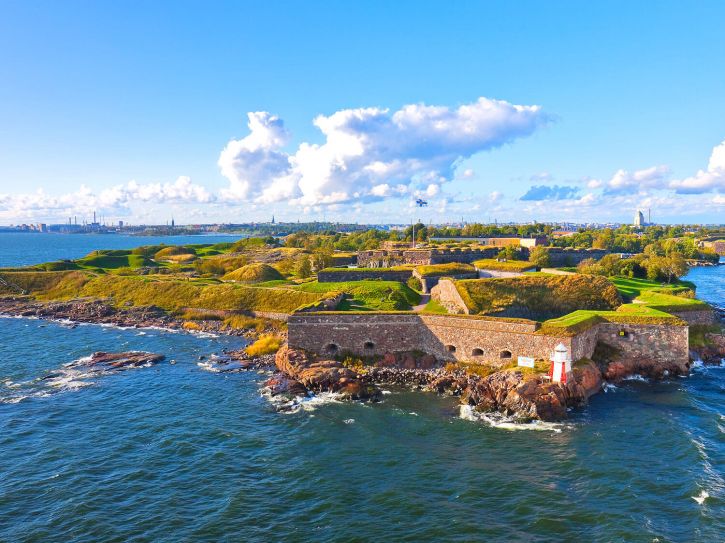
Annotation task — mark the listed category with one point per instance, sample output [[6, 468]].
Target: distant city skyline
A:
[[350, 112]]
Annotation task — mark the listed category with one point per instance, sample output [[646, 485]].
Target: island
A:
[[515, 325]]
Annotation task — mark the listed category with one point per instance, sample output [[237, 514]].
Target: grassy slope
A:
[[538, 296], [653, 304], [368, 295], [163, 291], [254, 273], [440, 270], [508, 265]]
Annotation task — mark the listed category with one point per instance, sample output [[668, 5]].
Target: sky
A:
[[351, 111]]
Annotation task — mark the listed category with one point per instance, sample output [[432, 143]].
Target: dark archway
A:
[[505, 354], [477, 352], [451, 348]]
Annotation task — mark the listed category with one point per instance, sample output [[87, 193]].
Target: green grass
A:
[[368, 295], [113, 261], [508, 265], [538, 297], [440, 270], [169, 293], [435, 307], [581, 320], [670, 303], [698, 334], [633, 287], [254, 273]]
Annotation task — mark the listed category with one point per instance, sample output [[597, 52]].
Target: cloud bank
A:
[[370, 153]]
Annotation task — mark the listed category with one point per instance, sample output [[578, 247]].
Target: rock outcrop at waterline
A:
[[118, 361], [511, 392], [301, 372]]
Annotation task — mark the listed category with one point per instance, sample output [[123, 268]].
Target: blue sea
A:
[[176, 453]]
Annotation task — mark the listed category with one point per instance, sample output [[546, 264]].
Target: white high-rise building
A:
[[639, 219]]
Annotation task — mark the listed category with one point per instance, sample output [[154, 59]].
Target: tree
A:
[[509, 253], [540, 256], [321, 259], [604, 240], [674, 266], [304, 267]]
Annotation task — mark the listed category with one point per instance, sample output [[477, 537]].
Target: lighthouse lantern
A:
[[560, 364]]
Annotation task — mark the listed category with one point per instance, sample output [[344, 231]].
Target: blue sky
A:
[[128, 107]]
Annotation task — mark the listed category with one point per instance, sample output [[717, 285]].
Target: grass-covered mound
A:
[[171, 294], [538, 297], [254, 273], [368, 295], [519, 266], [176, 253], [31, 281], [442, 270], [111, 260]]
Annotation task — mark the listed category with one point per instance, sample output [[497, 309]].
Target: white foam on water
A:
[[702, 497], [636, 377], [218, 367], [609, 387], [386, 392], [285, 404], [349, 421], [497, 420]]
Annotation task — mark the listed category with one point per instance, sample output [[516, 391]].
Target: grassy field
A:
[[506, 265], [368, 295]]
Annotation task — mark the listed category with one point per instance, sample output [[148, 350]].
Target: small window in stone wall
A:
[[505, 354], [451, 348], [369, 345], [331, 348], [477, 352], [624, 334]]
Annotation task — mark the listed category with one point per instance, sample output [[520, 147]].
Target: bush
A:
[[266, 344], [414, 283]]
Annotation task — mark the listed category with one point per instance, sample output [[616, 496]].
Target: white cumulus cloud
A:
[[368, 151], [710, 180], [624, 181]]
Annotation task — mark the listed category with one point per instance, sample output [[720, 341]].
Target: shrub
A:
[[266, 344], [414, 283]]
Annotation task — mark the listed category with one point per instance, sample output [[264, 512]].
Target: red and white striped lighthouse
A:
[[560, 364]]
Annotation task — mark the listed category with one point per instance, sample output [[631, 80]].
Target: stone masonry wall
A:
[[656, 343], [706, 316], [450, 337], [447, 337], [449, 297], [351, 274]]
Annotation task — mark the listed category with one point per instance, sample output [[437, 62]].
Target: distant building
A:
[[639, 219]]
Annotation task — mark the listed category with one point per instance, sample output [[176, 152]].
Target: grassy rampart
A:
[[538, 297]]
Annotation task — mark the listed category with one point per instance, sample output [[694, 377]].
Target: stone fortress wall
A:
[[385, 258], [470, 338]]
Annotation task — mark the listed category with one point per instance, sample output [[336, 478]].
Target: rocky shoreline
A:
[[100, 312], [513, 392]]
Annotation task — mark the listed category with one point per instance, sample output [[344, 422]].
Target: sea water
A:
[[175, 452]]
